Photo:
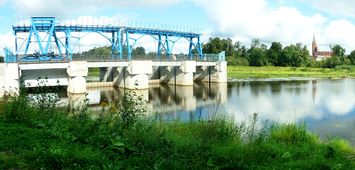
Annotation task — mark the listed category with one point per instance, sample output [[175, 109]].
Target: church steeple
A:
[[314, 39], [314, 46]]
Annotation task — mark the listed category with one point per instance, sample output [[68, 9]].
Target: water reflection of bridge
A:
[[161, 98]]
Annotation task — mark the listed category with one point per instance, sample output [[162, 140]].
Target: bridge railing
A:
[[33, 58], [153, 57], [21, 58]]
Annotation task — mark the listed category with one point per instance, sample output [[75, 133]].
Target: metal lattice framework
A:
[[121, 39]]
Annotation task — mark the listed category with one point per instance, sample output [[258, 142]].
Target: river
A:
[[326, 106]]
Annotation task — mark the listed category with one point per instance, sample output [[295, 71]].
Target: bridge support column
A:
[[219, 73], [136, 75], [106, 74], [185, 74], [9, 78], [77, 71], [212, 74]]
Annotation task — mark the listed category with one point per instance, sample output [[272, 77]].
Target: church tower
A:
[[314, 47]]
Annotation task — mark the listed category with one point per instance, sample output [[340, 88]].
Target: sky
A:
[[285, 21]]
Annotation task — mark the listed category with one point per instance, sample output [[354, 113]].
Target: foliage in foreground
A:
[[119, 137]]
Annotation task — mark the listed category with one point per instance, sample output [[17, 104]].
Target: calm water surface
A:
[[326, 106]]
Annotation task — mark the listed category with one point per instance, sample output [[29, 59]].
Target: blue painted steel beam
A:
[[28, 42], [119, 42], [190, 48], [159, 47], [68, 53], [113, 45], [199, 47], [16, 46], [62, 28], [167, 44], [129, 51], [57, 43], [51, 33]]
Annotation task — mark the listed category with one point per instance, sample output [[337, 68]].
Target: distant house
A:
[[320, 54]]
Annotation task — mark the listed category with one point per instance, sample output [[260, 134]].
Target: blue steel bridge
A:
[[44, 52], [53, 42]]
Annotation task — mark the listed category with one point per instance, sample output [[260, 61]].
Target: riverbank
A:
[[41, 135], [242, 72]]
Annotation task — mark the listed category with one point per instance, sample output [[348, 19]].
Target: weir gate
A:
[[45, 56]]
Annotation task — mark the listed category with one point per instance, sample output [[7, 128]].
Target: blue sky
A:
[[285, 21]]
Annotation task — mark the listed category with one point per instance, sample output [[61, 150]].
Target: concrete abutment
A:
[[9, 78]]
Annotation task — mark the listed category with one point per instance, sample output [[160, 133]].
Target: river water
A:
[[326, 106]]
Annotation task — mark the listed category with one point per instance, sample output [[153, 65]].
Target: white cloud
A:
[[65, 8], [245, 20], [341, 32], [6, 40], [338, 7]]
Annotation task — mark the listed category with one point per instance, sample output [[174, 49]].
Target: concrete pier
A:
[[182, 75], [212, 74], [135, 75], [77, 71]]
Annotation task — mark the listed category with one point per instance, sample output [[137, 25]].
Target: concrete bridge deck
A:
[[127, 74], [64, 65]]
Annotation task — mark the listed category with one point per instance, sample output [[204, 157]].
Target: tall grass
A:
[[121, 137], [285, 72]]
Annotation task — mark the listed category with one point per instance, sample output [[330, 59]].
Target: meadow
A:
[[241, 72]]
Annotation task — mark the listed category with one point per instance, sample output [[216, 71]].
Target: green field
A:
[[287, 72]]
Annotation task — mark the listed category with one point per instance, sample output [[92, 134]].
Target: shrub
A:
[[291, 134]]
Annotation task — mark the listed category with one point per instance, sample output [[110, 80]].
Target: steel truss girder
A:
[[36, 27], [48, 25]]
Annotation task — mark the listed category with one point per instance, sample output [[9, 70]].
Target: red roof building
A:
[[317, 54]]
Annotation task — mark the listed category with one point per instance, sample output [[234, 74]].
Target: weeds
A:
[[38, 136]]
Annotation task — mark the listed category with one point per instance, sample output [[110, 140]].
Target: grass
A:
[[121, 137], [94, 72], [286, 72]]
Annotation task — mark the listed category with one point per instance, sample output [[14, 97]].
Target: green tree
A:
[[345, 60], [332, 62], [294, 55], [257, 54], [217, 45], [338, 51], [352, 57], [241, 57], [139, 51], [274, 53], [240, 61], [240, 50]]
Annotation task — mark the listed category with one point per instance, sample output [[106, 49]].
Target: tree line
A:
[[107, 50], [258, 54]]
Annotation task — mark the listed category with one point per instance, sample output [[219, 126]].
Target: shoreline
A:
[[273, 79]]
